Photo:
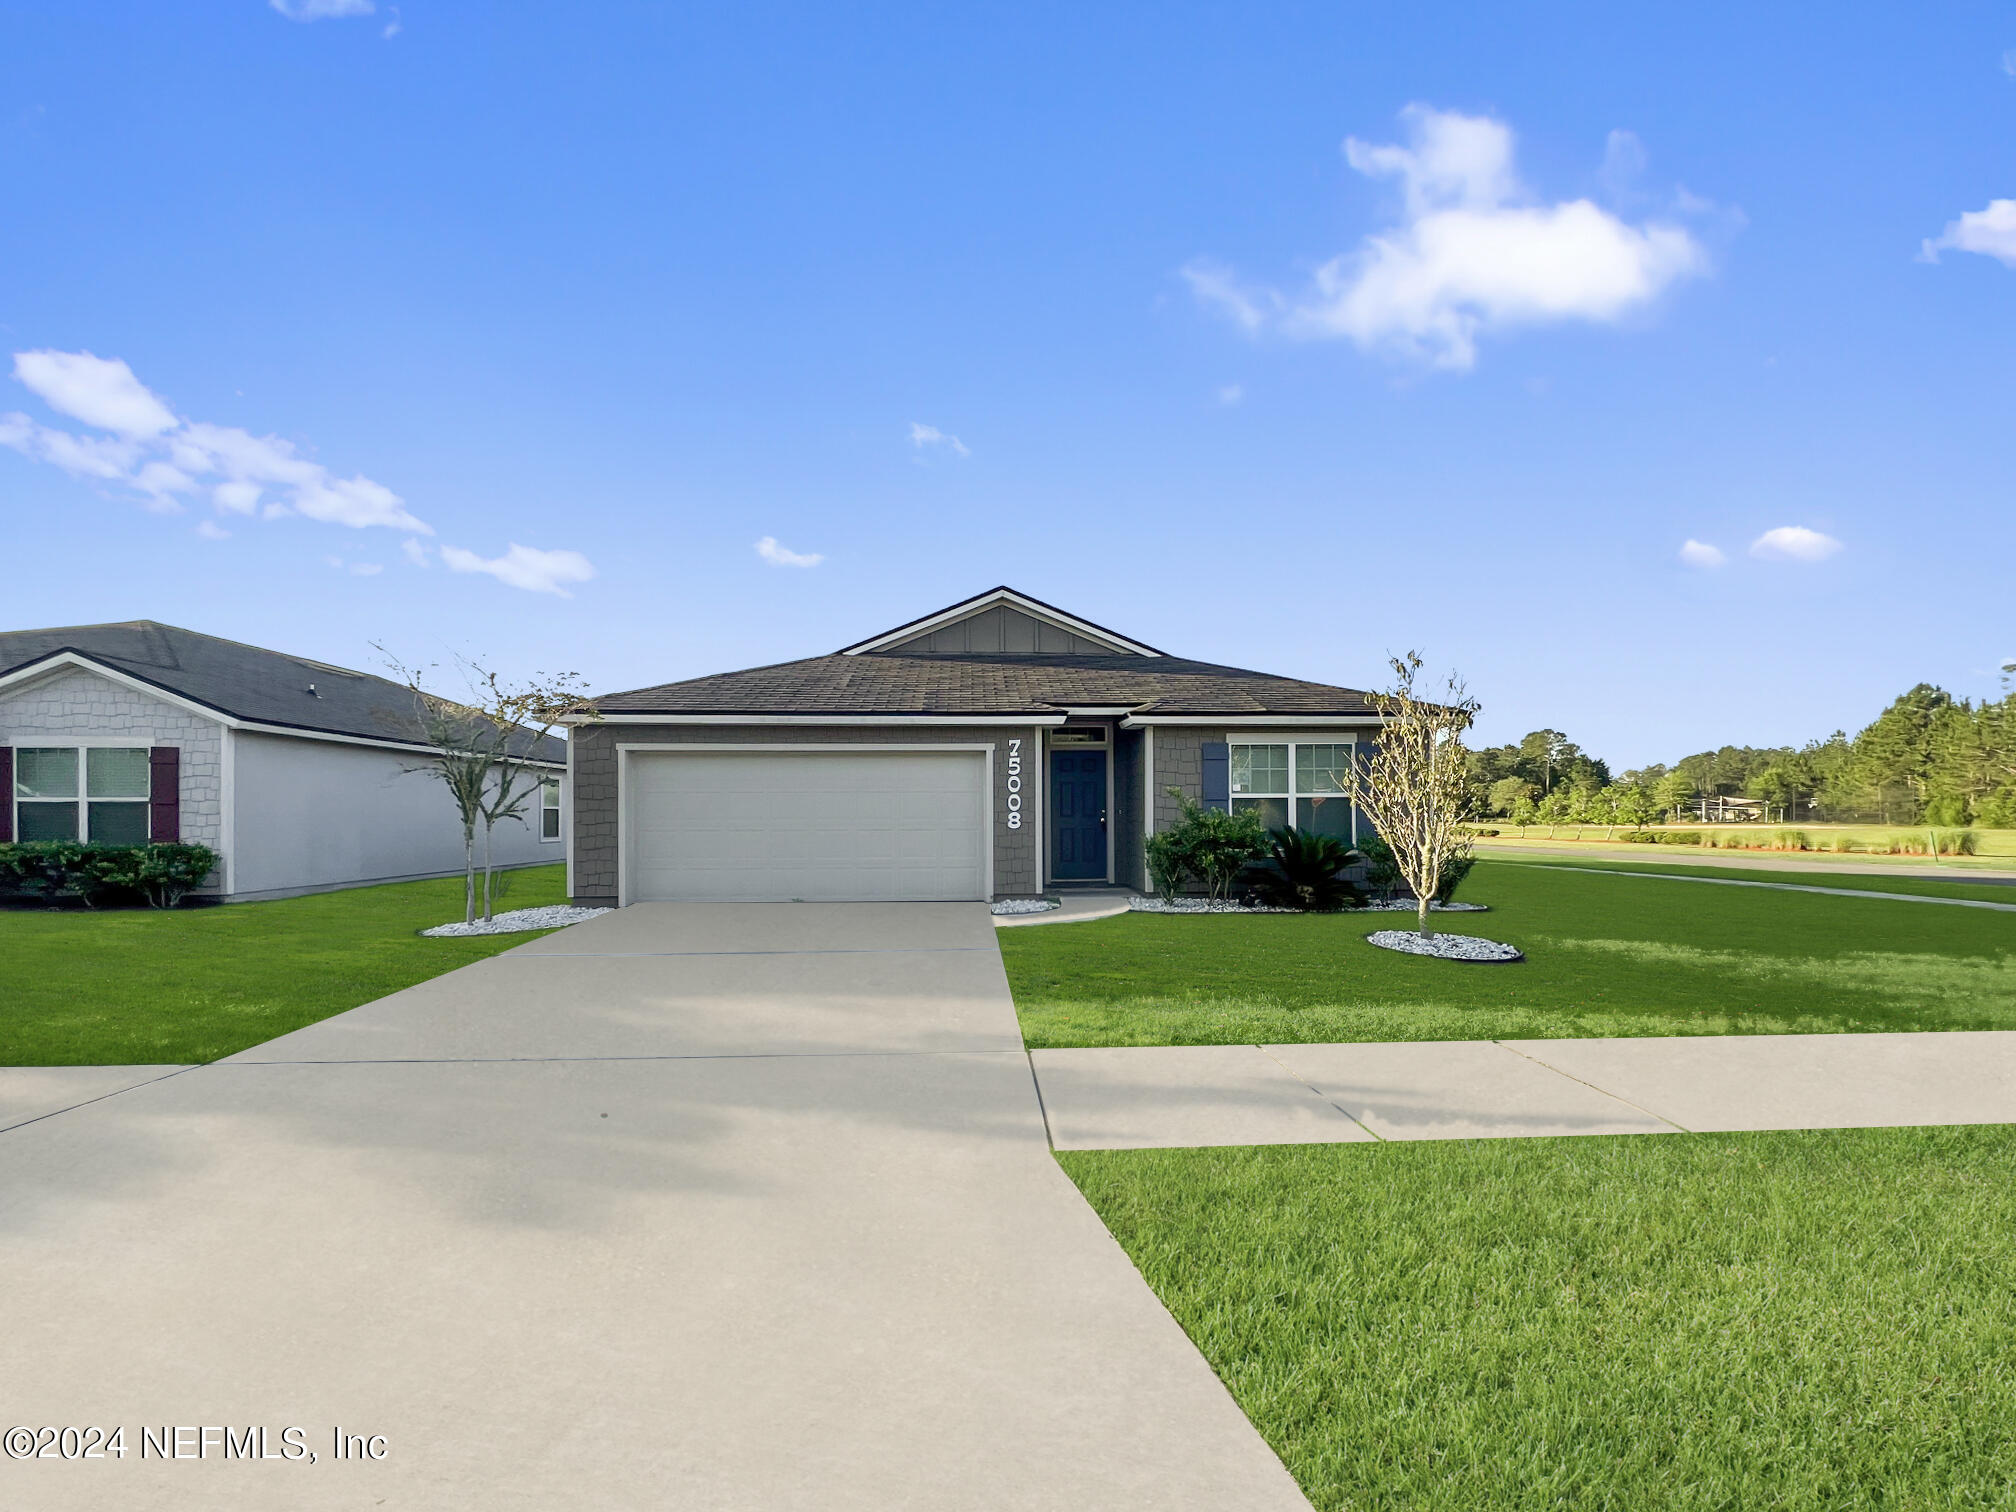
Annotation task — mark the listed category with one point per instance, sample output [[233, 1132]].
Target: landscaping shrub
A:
[[1207, 846], [92, 874], [1382, 874], [1947, 811], [1301, 872], [1454, 870], [1791, 839]]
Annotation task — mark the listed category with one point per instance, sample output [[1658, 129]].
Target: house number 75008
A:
[[1014, 784]]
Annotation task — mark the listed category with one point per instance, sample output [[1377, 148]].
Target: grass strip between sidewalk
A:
[[1723, 1321]]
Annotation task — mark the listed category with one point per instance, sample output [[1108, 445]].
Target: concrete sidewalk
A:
[[720, 1208], [1158, 1097]]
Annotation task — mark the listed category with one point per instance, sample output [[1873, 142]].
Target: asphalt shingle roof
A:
[[245, 682], [882, 683]]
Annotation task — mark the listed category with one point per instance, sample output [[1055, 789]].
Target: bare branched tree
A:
[[1414, 784], [488, 751]]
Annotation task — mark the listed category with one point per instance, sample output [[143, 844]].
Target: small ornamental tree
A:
[[1413, 785], [486, 752]]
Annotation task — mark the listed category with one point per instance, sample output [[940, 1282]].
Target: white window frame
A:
[[79, 745], [550, 785], [1292, 795]]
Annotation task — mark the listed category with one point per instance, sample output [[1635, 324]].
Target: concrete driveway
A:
[[710, 1206]]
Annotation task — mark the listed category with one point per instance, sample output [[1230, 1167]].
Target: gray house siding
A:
[[596, 820], [1179, 763], [312, 815], [75, 704]]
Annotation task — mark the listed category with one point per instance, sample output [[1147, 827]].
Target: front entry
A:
[[1078, 816]]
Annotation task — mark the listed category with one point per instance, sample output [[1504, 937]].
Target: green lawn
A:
[[1606, 956], [143, 987], [1713, 1321]]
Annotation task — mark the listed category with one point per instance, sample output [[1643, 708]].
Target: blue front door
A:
[[1078, 816]]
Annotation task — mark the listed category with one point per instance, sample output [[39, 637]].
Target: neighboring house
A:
[[994, 749], [300, 775]]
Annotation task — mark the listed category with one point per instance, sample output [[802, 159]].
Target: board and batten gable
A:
[[597, 818], [1000, 630], [74, 705]]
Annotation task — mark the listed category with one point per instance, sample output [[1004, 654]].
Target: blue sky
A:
[[632, 288]]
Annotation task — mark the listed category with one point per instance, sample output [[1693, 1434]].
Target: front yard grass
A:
[[1606, 956], [143, 987], [1707, 1321]]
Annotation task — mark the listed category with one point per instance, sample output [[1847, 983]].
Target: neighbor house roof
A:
[[242, 682], [887, 683]]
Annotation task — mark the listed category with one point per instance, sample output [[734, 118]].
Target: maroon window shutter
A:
[[6, 794], [164, 795]]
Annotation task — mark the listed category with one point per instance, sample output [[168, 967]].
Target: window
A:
[[1319, 794], [94, 793], [549, 809]]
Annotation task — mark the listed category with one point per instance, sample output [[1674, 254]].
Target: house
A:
[[301, 776], [997, 748]]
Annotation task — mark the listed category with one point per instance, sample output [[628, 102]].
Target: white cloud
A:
[[322, 10], [236, 498], [99, 391], [1701, 554], [1218, 286], [922, 436], [2009, 62], [393, 27], [1231, 393], [210, 530], [781, 556], [1624, 160], [103, 457], [159, 455], [1991, 232], [1794, 543], [1474, 252], [524, 567], [367, 569]]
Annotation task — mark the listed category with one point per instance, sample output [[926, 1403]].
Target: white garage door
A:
[[816, 827]]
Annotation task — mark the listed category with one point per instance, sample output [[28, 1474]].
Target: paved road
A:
[[1991, 871], [1799, 887], [690, 1206], [1490, 1089]]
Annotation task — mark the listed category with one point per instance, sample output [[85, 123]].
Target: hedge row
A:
[[94, 874], [1948, 842]]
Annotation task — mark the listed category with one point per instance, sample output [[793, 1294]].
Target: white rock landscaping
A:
[[518, 920], [1406, 905], [1446, 947], [1025, 906], [1199, 906]]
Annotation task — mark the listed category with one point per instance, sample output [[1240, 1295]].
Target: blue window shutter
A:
[[1218, 776]]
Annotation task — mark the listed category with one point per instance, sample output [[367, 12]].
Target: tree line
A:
[[1929, 758]]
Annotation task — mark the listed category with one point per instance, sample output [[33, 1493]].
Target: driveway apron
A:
[[694, 1205]]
